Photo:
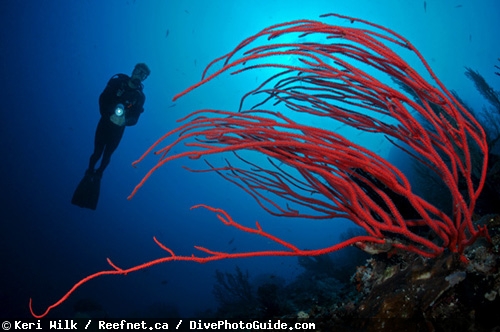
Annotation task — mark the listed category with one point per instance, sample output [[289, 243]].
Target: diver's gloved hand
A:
[[117, 120]]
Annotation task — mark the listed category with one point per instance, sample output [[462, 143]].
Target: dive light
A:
[[119, 109]]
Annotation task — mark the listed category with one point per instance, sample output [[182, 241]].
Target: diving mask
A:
[[140, 74]]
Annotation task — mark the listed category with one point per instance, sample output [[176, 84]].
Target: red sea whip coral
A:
[[347, 180]]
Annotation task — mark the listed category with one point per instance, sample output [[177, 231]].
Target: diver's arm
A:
[[133, 114], [108, 98], [132, 117]]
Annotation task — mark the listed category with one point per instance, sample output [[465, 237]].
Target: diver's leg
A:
[[110, 147], [99, 144]]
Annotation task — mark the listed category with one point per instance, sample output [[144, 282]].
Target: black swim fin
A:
[[87, 193]]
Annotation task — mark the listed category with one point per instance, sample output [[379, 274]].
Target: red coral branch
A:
[[224, 217]]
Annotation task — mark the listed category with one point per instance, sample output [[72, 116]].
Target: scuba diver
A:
[[121, 103]]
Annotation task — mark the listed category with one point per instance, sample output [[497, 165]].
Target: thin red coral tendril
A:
[[213, 255]]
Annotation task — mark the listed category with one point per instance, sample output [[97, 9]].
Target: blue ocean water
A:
[[56, 58]]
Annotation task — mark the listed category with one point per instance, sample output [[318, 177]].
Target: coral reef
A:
[[406, 292], [391, 292]]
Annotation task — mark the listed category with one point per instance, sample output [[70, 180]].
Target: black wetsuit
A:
[[108, 134]]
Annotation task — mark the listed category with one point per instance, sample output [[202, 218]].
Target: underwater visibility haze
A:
[[57, 58]]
